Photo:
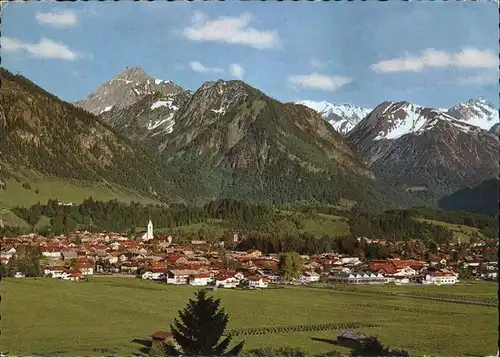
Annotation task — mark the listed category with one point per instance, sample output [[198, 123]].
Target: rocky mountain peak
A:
[[476, 111], [214, 99], [392, 120], [133, 73], [412, 146], [125, 89]]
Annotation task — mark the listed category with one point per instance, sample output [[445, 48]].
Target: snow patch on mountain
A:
[[478, 112], [168, 128], [160, 81], [403, 118], [107, 109], [220, 111], [412, 122], [164, 103], [343, 117], [125, 89]]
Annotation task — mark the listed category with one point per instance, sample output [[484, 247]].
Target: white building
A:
[[54, 271], [350, 260], [228, 280], [149, 234], [178, 276], [440, 278], [153, 275], [310, 276], [201, 279], [406, 271], [360, 278], [258, 282], [51, 253]]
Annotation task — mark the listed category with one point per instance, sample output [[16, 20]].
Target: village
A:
[[82, 254]]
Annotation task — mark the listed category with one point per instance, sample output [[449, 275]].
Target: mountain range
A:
[[344, 117], [424, 149], [228, 139]]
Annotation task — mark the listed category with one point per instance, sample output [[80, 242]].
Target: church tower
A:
[[150, 230]]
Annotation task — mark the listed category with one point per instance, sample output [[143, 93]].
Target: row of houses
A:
[[201, 263], [393, 271], [224, 279]]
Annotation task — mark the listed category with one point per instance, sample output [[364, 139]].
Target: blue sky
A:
[[429, 53]]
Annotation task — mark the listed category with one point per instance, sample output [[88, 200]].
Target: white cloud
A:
[[236, 70], [57, 19], [45, 49], [232, 30], [197, 66], [432, 58], [319, 81]]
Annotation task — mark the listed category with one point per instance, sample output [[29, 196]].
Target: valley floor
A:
[[51, 316]]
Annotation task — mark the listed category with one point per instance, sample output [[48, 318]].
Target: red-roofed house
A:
[[51, 252], [258, 282], [228, 279], [201, 279], [73, 275], [54, 271], [86, 268]]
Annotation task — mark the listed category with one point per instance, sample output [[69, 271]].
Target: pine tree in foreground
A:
[[199, 329]]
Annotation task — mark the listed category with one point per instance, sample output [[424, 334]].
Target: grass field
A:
[[459, 231], [64, 190], [317, 225], [212, 227], [10, 219], [73, 318], [45, 188]]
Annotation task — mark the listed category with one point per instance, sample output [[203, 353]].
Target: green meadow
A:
[[77, 318]]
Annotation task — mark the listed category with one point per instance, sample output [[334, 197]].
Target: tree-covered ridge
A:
[[241, 143], [261, 224], [44, 134], [114, 216], [481, 199]]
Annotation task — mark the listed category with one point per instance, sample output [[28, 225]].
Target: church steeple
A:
[[150, 230]]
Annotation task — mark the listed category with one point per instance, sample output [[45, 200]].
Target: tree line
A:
[[123, 217], [261, 223]]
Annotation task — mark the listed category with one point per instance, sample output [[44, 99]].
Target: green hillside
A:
[[45, 138], [39, 188]]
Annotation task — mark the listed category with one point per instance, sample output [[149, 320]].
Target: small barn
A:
[[351, 339], [161, 337]]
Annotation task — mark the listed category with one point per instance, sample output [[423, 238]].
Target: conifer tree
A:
[[199, 329]]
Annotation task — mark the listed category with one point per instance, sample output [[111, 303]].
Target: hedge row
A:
[[454, 300], [454, 297], [459, 299], [298, 328], [410, 309]]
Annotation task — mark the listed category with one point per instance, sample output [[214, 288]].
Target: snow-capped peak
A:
[[125, 89], [403, 118], [343, 117], [478, 112]]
